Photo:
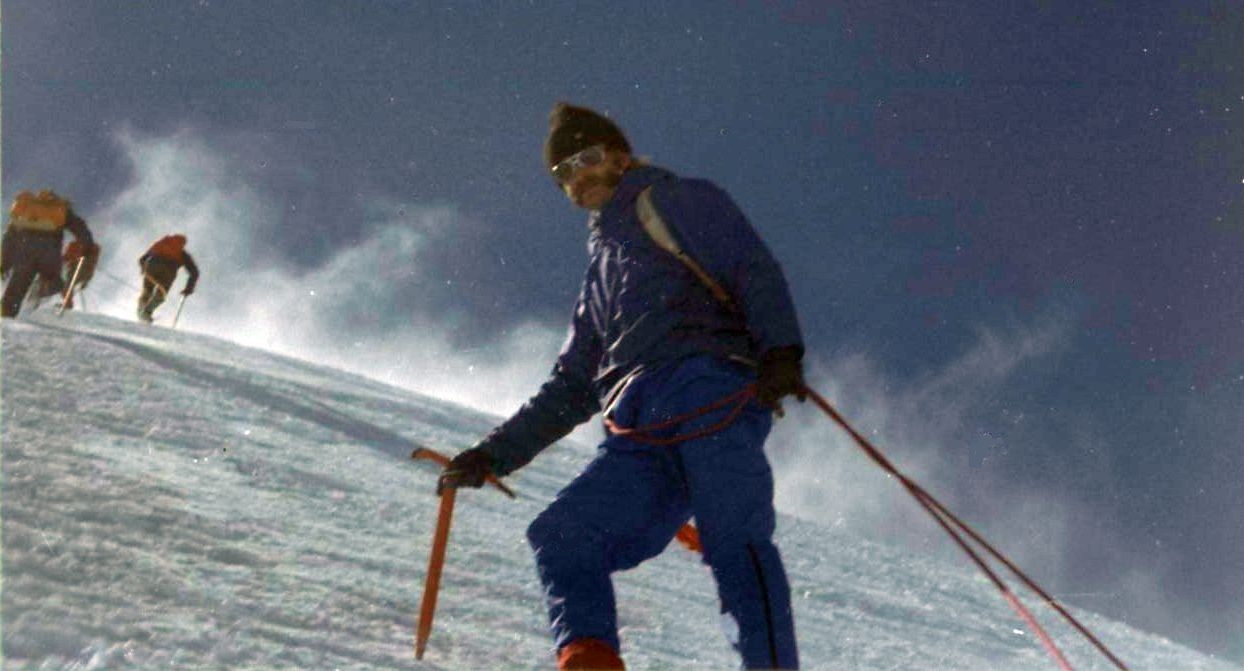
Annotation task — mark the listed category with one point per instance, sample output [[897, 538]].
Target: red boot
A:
[[589, 654]]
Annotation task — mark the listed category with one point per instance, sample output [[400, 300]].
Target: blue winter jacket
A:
[[640, 307]]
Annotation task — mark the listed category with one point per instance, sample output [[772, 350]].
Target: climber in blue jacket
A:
[[687, 353]]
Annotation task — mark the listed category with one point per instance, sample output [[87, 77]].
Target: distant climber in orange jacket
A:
[[32, 241], [159, 266]]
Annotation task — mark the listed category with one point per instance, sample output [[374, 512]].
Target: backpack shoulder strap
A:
[[656, 228]]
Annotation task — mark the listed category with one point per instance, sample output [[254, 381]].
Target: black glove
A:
[[187, 291], [780, 374], [468, 469]]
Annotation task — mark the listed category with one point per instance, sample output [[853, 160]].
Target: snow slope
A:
[[171, 500]]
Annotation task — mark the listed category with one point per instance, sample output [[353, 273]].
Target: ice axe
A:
[[433, 455], [440, 540]]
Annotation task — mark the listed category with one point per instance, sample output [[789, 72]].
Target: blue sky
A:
[[1014, 234]]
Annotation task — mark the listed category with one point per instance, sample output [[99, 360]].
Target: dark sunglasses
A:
[[564, 171]]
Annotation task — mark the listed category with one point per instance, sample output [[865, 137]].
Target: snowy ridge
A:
[[177, 501]]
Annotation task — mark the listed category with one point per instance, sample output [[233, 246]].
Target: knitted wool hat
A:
[[573, 129]]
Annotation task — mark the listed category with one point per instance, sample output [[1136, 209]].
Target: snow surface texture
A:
[[176, 501]]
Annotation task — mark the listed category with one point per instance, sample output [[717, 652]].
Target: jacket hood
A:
[[633, 182]]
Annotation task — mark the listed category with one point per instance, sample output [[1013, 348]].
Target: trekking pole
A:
[[32, 295], [435, 561], [952, 525], [178, 314], [73, 281]]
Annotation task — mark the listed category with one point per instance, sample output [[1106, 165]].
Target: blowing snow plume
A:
[[218, 506], [374, 303]]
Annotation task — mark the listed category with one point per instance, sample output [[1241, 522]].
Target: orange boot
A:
[[589, 654]]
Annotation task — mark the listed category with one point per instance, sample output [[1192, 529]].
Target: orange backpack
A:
[[44, 211], [171, 247]]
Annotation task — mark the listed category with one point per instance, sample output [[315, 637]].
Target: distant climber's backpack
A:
[[171, 247], [44, 211]]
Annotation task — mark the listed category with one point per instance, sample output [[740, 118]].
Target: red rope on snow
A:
[[952, 525]]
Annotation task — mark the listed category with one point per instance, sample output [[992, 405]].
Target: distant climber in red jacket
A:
[[159, 267]]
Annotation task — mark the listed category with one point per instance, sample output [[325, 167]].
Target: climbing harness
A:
[[737, 401]]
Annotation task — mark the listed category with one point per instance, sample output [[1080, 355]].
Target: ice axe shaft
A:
[[436, 561], [73, 281], [177, 316]]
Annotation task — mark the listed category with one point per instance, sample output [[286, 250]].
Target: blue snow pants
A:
[[628, 503]]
